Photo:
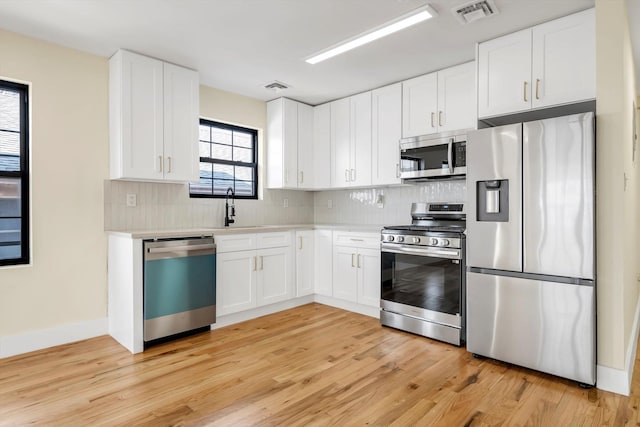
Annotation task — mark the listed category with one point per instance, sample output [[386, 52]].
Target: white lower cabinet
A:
[[249, 273], [356, 268], [304, 262]]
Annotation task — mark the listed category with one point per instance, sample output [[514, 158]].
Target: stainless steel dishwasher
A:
[[179, 286]]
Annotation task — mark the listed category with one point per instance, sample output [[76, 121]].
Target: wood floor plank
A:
[[310, 366]]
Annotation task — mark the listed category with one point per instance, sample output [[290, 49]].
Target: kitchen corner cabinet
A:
[[356, 267], [322, 146], [351, 141], [289, 144], [304, 262], [253, 270], [323, 262], [439, 102], [546, 65], [386, 115], [153, 119]]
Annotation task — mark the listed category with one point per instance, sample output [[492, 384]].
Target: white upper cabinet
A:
[[386, 112], [419, 105], [564, 60], [322, 146], [153, 119], [549, 64], [351, 141], [439, 102], [289, 139], [456, 98]]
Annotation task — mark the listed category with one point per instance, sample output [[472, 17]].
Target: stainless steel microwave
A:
[[429, 157]]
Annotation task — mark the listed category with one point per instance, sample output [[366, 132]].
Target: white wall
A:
[[66, 282], [617, 186]]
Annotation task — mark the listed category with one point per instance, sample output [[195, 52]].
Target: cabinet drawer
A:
[[356, 239], [235, 242], [273, 240]]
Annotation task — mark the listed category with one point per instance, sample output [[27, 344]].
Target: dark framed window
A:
[[14, 174], [228, 159]]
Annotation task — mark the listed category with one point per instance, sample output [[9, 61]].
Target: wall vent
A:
[[474, 10], [276, 86]]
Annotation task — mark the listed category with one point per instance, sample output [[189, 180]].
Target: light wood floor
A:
[[312, 365]]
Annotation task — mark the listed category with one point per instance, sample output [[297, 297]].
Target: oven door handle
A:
[[432, 252]]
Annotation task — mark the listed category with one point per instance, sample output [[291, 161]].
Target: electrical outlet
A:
[[329, 204], [132, 200], [286, 203]]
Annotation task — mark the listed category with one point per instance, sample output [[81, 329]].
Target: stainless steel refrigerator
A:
[[531, 245]]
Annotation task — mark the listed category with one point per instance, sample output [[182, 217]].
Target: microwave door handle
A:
[[450, 156]]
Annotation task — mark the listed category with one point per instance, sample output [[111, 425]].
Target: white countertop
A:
[[198, 232]]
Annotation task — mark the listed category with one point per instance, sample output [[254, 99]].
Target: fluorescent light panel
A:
[[421, 14]]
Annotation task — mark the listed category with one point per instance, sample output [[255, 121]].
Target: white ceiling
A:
[[239, 45]]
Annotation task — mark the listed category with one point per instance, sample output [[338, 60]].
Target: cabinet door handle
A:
[[169, 159], [439, 118], [358, 260], [397, 170], [537, 88], [352, 175], [160, 161], [346, 175], [353, 260], [525, 92], [299, 242], [433, 115], [254, 262]]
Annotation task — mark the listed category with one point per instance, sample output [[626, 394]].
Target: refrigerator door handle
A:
[[450, 156]]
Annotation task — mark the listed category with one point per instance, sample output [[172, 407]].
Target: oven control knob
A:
[[416, 240], [434, 242], [390, 238], [445, 242], [400, 239]]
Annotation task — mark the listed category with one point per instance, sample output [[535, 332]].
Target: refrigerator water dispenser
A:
[[492, 200]]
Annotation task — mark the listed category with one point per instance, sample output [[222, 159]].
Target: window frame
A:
[[23, 174], [253, 165]]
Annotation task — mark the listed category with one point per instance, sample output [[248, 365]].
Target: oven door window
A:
[[422, 281]]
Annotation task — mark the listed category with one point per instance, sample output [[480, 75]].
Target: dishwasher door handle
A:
[[182, 248]]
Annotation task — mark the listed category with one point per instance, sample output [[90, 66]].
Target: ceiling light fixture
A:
[[418, 15]]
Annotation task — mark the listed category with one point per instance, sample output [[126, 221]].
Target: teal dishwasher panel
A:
[[174, 285]]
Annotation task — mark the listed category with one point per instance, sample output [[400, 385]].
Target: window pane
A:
[[9, 110], [205, 170], [222, 136], [205, 149], [10, 237], [244, 173], [10, 197], [222, 152], [205, 133], [223, 172], [244, 188], [242, 155], [205, 186], [220, 186], [243, 139]]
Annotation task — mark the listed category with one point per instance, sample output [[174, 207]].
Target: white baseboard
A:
[[13, 345], [619, 380], [348, 305], [230, 319]]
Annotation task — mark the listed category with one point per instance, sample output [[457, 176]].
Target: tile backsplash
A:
[[162, 206], [361, 206]]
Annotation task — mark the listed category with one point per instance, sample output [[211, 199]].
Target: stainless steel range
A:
[[423, 273]]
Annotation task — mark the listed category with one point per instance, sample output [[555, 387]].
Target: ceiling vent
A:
[[474, 10], [276, 86]]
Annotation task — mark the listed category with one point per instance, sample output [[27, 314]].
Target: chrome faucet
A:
[[229, 209]]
